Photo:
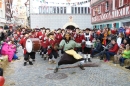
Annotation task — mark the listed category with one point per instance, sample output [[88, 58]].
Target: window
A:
[[82, 10], [75, 10], [57, 10], [85, 10], [40, 9], [64, 10], [47, 9], [72, 10], [44, 10], [121, 3], [94, 11], [61, 10], [106, 6], [78, 10], [54, 10], [99, 9], [50, 10]]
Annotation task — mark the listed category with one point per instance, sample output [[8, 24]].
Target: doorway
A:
[[71, 27]]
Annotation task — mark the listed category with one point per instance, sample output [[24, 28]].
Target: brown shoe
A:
[[50, 62], [54, 61]]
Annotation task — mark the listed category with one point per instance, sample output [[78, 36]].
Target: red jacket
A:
[[44, 43], [114, 49], [43, 36], [58, 38], [51, 43], [78, 38], [39, 34], [23, 42]]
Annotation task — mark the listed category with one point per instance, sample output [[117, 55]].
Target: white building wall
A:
[[58, 21]]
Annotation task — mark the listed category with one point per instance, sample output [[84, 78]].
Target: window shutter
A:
[[103, 7], [91, 11], [88, 10], [116, 4]]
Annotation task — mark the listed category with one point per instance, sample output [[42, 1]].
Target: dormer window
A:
[[107, 6], [121, 3], [99, 9]]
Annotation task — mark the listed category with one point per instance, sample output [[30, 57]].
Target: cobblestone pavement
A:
[[34, 75]]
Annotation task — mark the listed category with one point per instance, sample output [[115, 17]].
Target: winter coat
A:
[[8, 49], [114, 49]]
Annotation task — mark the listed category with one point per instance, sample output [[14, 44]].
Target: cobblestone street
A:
[[34, 75]]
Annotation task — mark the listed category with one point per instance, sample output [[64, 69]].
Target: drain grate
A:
[[56, 76]]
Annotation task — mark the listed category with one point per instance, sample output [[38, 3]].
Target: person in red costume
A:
[[58, 36], [44, 45], [41, 32], [78, 39], [26, 54], [51, 49]]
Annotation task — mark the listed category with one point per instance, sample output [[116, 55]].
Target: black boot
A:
[[128, 67], [25, 63], [89, 60], [44, 58], [56, 70], [81, 67], [30, 63], [85, 60]]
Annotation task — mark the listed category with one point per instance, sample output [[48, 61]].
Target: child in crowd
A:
[[119, 54], [126, 55]]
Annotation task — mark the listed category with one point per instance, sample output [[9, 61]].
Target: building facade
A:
[[8, 11], [110, 13], [2, 13], [19, 13], [60, 16]]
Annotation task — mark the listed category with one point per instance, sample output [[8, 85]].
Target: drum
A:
[[33, 45], [89, 44]]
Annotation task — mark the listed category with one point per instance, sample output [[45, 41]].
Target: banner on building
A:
[[70, 4]]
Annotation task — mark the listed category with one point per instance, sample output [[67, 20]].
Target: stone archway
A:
[[70, 24]]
